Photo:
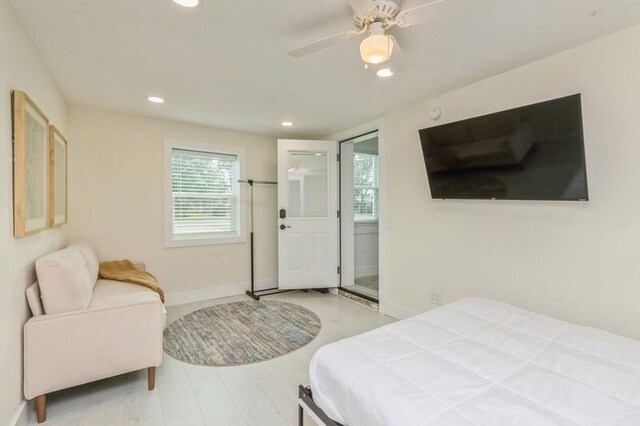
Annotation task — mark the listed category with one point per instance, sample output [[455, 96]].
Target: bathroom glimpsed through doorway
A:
[[359, 215]]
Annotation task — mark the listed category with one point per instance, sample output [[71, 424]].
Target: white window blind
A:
[[365, 188], [205, 194]]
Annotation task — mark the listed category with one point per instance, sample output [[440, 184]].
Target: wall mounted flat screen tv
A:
[[534, 152]]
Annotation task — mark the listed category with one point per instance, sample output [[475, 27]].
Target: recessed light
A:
[[384, 72], [287, 124], [187, 3], [155, 99]]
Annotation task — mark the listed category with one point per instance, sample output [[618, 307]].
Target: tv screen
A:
[[534, 152]]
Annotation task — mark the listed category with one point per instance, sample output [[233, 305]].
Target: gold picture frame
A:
[[30, 167], [57, 178]]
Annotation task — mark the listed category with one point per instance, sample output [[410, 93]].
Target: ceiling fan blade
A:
[[323, 43], [362, 6], [417, 15]]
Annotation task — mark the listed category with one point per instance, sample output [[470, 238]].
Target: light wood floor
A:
[[262, 394]]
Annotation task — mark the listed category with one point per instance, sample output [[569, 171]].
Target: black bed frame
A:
[[304, 396]]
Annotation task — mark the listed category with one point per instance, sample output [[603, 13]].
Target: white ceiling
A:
[[225, 63]]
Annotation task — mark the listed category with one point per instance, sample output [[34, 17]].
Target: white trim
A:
[[241, 154], [190, 242], [346, 221], [371, 126], [183, 297], [20, 412]]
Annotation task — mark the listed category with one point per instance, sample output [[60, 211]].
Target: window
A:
[[203, 195], [365, 187]]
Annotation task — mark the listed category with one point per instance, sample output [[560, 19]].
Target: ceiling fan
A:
[[374, 18]]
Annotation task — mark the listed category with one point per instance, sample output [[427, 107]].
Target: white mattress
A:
[[479, 362]]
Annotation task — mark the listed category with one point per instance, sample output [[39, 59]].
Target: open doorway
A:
[[359, 207]]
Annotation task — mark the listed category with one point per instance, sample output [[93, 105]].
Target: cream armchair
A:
[[84, 328]]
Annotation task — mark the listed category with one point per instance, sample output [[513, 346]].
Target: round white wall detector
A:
[[436, 113]]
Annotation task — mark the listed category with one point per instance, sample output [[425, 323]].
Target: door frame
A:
[[383, 222]]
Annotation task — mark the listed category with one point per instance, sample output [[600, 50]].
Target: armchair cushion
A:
[[90, 257], [33, 298], [64, 281], [112, 294]]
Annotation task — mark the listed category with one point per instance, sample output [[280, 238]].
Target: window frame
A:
[[169, 238], [374, 188]]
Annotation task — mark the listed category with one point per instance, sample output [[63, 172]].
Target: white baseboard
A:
[[20, 417], [396, 311], [182, 297]]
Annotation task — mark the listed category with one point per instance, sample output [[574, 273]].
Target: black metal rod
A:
[[253, 293], [300, 416], [259, 182], [304, 394], [252, 265], [258, 294], [278, 292], [251, 182]]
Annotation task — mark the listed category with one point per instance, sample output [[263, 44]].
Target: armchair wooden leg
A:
[[151, 377], [41, 408]]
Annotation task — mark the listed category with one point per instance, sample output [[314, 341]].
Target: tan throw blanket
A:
[[125, 271]]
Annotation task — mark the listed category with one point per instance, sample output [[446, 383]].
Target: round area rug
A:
[[240, 333]]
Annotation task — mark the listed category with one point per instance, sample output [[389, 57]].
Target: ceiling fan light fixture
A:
[[376, 49], [187, 3], [384, 72]]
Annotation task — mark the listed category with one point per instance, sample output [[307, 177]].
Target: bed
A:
[[476, 362]]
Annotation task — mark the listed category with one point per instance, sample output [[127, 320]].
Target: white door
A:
[[307, 214]]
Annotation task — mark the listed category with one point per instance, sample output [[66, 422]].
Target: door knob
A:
[[283, 227]]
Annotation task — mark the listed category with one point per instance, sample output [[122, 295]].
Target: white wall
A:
[[20, 68], [575, 261], [117, 186]]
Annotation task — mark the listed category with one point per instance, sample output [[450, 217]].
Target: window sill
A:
[[193, 242]]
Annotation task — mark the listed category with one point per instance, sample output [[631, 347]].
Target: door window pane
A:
[[307, 184]]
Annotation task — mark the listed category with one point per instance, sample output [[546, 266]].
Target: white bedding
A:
[[479, 362]]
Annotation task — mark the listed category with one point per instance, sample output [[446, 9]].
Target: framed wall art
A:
[[30, 166], [57, 177]]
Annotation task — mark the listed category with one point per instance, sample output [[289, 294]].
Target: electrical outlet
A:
[[436, 298]]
